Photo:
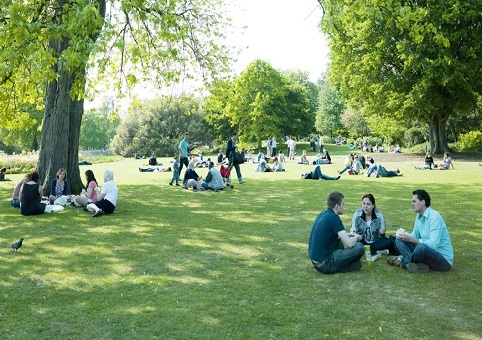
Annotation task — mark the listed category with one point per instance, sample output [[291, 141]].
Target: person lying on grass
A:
[[317, 174]]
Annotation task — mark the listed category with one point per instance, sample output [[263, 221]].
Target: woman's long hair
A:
[[90, 177]]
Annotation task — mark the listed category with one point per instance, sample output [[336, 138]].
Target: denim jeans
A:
[[344, 260], [316, 174], [347, 167], [421, 253]]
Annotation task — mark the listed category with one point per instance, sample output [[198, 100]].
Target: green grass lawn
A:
[[175, 264]]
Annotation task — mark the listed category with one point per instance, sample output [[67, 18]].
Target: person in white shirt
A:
[[107, 198]]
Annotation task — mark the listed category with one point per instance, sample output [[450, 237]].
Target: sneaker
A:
[[337, 178], [98, 213], [394, 261], [242, 181], [170, 183], [417, 268], [178, 185], [383, 252]]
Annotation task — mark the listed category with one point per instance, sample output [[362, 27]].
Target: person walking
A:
[[183, 152], [230, 149]]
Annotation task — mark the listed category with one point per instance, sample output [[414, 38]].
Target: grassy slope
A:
[[177, 264]]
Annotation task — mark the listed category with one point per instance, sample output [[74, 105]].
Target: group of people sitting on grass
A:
[[27, 194], [213, 181], [427, 247], [321, 158], [430, 165]]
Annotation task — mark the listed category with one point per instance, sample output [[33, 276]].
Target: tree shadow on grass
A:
[[232, 263]]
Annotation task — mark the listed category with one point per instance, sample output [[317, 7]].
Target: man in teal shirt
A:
[[183, 152], [428, 246]]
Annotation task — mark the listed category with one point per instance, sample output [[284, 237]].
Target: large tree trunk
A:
[[438, 135], [60, 134], [59, 144]]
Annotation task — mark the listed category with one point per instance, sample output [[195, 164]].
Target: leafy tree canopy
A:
[[413, 60]]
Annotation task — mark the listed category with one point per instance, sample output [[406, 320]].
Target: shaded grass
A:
[[177, 264]]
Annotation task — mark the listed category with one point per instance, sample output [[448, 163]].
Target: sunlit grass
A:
[[174, 264]]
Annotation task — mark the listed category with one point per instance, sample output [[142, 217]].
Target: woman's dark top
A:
[[190, 174], [30, 203]]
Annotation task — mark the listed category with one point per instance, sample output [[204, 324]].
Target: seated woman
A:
[[107, 198], [348, 164], [277, 165], [326, 158], [447, 162], [58, 186], [2, 175], [89, 195], [369, 222], [16, 193], [428, 162], [263, 166], [31, 195], [190, 174], [317, 174], [304, 159], [259, 157]]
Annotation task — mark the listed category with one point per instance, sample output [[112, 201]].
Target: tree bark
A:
[[438, 136], [59, 144]]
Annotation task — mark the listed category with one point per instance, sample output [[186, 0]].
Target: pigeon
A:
[[15, 246]]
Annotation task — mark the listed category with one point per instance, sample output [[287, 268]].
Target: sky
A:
[[284, 33]]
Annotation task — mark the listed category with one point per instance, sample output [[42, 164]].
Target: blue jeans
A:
[[421, 253], [344, 260], [347, 167], [316, 174]]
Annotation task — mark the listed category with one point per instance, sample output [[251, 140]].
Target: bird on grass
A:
[[15, 246]]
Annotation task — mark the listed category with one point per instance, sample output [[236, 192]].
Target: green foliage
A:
[[330, 109], [158, 125], [19, 164], [261, 102], [471, 141], [406, 60], [354, 123], [97, 130]]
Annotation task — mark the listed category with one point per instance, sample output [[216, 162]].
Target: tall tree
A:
[[57, 42], [414, 59], [330, 109]]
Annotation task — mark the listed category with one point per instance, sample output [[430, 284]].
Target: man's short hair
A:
[[422, 195], [234, 133], [333, 199], [211, 165]]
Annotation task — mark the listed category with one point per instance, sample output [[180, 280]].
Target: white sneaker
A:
[[242, 181]]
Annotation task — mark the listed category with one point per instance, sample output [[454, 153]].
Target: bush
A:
[[471, 141], [414, 136]]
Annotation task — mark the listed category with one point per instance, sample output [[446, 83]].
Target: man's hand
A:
[[407, 238]]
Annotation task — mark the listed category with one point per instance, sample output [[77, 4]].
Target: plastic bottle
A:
[[368, 256]]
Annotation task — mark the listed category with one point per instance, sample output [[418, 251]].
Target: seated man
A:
[[428, 246], [325, 246], [214, 180]]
